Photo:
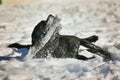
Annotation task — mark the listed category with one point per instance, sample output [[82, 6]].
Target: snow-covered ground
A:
[[81, 18]]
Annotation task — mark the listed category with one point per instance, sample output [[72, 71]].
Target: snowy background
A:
[[81, 18]]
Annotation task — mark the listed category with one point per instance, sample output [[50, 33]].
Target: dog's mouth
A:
[[52, 27], [48, 24], [52, 21]]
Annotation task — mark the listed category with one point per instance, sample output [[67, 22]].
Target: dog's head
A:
[[46, 29]]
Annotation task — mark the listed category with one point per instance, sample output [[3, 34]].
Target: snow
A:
[[81, 18]]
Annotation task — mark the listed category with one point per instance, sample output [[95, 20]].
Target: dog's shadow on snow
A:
[[19, 53]]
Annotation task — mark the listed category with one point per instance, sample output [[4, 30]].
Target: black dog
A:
[[47, 40]]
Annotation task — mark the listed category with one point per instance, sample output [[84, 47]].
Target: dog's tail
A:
[[93, 38]]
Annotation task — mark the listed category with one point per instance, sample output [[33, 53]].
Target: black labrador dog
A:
[[46, 40]]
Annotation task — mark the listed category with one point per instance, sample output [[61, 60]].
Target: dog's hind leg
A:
[[96, 49]]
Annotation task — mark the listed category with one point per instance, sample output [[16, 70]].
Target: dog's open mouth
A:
[[53, 21], [52, 27]]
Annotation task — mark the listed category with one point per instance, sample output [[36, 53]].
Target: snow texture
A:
[[81, 18]]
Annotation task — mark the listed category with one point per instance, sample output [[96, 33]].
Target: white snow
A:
[[81, 18]]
